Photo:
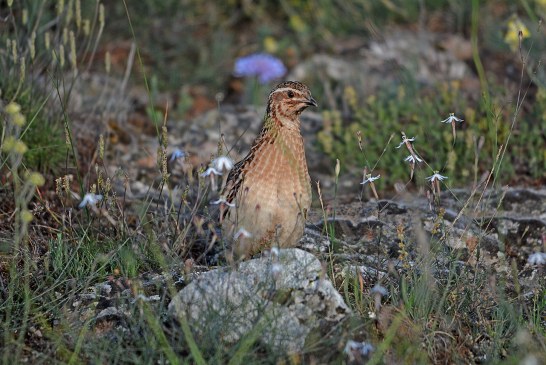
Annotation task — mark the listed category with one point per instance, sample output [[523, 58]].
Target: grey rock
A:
[[282, 298], [109, 314]]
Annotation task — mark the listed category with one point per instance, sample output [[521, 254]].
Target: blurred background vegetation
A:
[[188, 48]]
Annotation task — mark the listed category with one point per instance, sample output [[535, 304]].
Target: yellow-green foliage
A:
[[39, 49], [407, 109]]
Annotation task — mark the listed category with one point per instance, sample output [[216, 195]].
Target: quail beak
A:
[[311, 102]]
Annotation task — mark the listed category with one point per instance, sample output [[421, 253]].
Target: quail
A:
[[271, 188]]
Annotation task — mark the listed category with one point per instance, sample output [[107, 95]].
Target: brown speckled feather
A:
[[271, 186]]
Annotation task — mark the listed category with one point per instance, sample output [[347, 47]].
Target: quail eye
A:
[[290, 94]]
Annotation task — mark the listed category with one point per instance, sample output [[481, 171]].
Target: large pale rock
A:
[[282, 299]]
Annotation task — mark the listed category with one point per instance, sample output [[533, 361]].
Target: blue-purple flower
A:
[[261, 65], [177, 153], [356, 351]]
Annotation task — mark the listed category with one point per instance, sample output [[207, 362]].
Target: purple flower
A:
[[357, 350], [177, 153], [261, 65]]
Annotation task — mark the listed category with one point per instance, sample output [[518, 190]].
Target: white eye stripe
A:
[[284, 89]]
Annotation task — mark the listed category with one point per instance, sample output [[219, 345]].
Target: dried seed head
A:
[[60, 6], [24, 16], [58, 186], [73, 59], [14, 50], [101, 147], [78, 14], [66, 184], [107, 62], [101, 17], [61, 55], [47, 40], [22, 68], [86, 27], [32, 45], [67, 139]]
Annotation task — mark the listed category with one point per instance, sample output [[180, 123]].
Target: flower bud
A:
[[36, 179], [12, 108]]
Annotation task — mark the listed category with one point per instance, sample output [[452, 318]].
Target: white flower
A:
[[378, 289], [242, 233], [537, 258], [211, 171], [177, 153], [372, 315], [404, 140], [276, 269], [356, 350], [223, 200], [436, 176], [153, 298], [412, 159], [452, 118], [90, 199], [369, 179], [222, 162]]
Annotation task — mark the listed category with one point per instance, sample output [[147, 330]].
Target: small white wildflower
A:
[[412, 159], [372, 315], [276, 269], [242, 233], [436, 176], [211, 171], [222, 163], [537, 258], [380, 290], [369, 179], [223, 200], [90, 199], [356, 350], [177, 153], [405, 140], [452, 118], [152, 298]]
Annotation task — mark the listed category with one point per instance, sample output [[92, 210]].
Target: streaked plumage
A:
[[271, 187]]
